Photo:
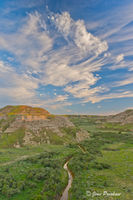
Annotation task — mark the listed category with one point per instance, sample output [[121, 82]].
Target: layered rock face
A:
[[32, 118]]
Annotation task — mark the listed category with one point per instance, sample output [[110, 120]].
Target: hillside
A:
[[25, 125], [123, 117], [121, 122]]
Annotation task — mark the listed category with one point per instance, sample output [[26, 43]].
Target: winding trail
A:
[[70, 179]]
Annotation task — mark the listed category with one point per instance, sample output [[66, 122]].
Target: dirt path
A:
[[70, 179], [18, 159]]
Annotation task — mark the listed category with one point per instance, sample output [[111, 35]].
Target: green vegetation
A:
[[70, 131], [36, 177], [85, 122], [102, 163], [8, 140], [4, 123], [117, 127], [106, 165]]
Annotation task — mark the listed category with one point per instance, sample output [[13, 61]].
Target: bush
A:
[[99, 166]]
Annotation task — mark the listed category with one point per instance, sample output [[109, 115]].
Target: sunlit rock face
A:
[[33, 118]]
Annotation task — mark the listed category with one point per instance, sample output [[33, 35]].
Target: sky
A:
[[67, 56]]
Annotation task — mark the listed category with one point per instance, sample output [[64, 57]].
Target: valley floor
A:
[[102, 168]]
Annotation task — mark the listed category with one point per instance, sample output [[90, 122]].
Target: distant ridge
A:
[[122, 117], [36, 111]]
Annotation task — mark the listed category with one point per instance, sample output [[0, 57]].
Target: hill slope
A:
[[123, 117], [24, 125]]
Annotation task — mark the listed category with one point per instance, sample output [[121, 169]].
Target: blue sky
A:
[[73, 57]]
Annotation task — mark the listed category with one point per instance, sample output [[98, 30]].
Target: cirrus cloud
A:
[[76, 31]]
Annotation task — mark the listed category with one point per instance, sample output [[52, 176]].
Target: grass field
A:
[[118, 178]]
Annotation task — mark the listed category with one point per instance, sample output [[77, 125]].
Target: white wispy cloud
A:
[[21, 89], [113, 21], [30, 43], [128, 80], [71, 66], [77, 61], [61, 98], [77, 32], [116, 28], [16, 86], [120, 57], [116, 95]]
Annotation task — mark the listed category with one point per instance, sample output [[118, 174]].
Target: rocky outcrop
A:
[[37, 128], [32, 118], [53, 123], [82, 135]]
